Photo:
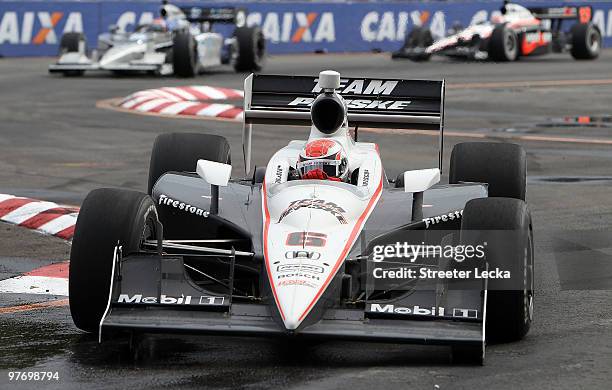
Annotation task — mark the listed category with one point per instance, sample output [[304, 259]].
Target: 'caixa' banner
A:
[[34, 28]]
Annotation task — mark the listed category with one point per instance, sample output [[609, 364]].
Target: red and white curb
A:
[[48, 218], [195, 100], [45, 217]]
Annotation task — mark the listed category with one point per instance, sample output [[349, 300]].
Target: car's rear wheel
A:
[[107, 218], [249, 51], [180, 152], [586, 41], [502, 166], [503, 44], [184, 54], [71, 43], [505, 224]]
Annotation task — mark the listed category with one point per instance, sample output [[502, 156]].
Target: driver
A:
[[504, 9], [159, 24], [323, 159]]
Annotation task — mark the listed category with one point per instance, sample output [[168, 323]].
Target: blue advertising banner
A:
[[34, 28]]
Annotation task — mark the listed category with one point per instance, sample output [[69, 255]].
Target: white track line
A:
[[34, 285]]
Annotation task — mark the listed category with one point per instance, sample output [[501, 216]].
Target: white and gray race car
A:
[[180, 42], [279, 253]]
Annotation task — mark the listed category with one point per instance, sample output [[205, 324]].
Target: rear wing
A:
[[582, 13], [379, 103], [215, 14]]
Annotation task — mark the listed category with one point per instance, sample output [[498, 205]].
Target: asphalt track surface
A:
[[55, 144]]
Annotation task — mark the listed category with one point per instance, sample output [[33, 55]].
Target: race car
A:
[[292, 249], [513, 33], [180, 42]]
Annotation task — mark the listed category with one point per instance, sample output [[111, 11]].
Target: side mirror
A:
[[421, 179], [214, 173]]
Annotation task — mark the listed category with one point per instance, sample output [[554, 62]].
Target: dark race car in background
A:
[[516, 32]]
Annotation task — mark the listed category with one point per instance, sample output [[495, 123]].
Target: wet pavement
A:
[[59, 146]]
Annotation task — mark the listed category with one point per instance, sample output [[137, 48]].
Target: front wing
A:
[[75, 62], [153, 293], [256, 320]]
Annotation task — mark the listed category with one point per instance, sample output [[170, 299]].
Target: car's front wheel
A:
[[503, 166], [184, 54], [72, 42], [504, 227], [415, 44], [108, 218], [180, 152], [503, 44]]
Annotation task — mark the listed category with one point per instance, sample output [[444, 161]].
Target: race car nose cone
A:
[[291, 323]]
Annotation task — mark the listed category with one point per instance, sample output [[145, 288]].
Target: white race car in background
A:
[[180, 42]]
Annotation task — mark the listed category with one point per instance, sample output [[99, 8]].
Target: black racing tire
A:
[[249, 51], [184, 54], [108, 217], [259, 175], [180, 152], [586, 41], [418, 38], [399, 181], [70, 42], [509, 309], [502, 166], [503, 44]]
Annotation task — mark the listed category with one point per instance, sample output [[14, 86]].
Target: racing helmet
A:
[[324, 154], [159, 25]]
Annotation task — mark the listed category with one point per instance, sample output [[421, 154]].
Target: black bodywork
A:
[[235, 298]]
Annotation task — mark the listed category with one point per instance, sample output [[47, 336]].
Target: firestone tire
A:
[[586, 41], [509, 304], [184, 54], [108, 217], [418, 38], [503, 44], [70, 42], [180, 152], [249, 51], [502, 166]]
